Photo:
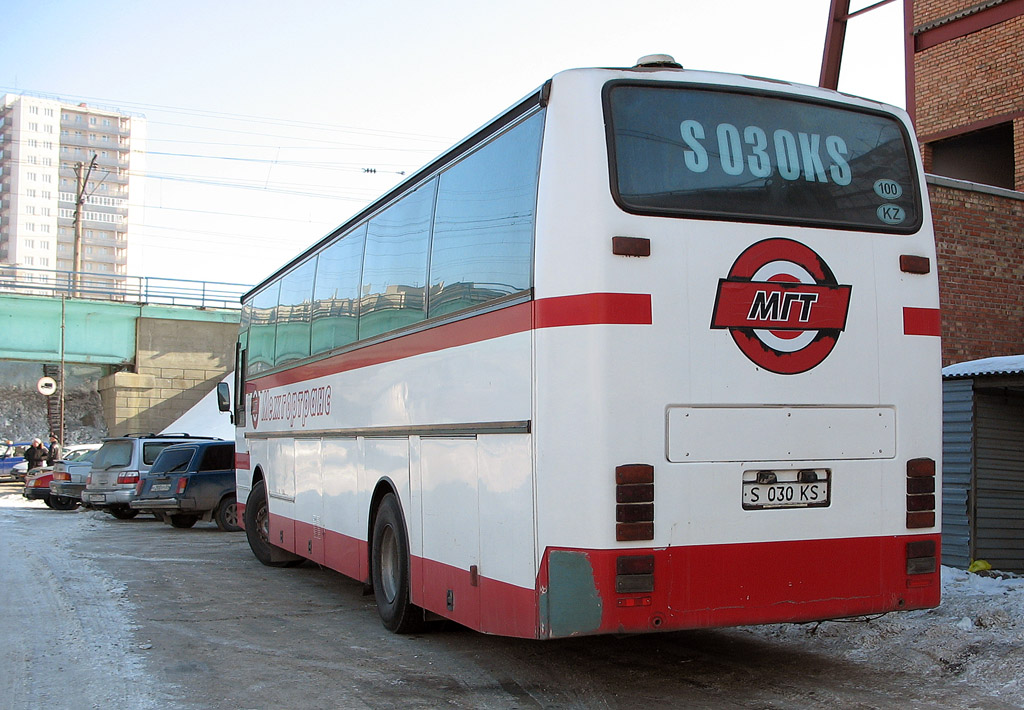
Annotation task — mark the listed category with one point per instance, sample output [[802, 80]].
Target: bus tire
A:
[[390, 570], [257, 531]]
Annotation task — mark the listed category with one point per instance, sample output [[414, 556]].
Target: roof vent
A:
[[658, 60]]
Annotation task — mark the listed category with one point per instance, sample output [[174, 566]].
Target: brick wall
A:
[[971, 78], [979, 234], [177, 362]]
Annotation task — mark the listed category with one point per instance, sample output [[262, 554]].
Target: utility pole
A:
[[82, 180]]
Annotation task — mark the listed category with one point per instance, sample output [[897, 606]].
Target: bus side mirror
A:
[[223, 397]]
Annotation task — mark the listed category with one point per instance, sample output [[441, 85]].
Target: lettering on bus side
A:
[[789, 154], [295, 406]]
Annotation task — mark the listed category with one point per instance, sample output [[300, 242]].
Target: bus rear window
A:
[[685, 151]]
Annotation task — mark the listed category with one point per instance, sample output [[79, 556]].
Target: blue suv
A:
[[191, 482]]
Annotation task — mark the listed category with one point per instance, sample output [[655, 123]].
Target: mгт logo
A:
[[254, 409], [782, 305]]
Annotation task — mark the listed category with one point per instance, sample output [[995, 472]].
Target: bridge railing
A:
[[118, 287]]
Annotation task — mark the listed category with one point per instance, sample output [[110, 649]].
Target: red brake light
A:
[[128, 477], [182, 482]]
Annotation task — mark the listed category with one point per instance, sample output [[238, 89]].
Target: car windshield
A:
[[81, 455], [113, 454], [173, 461]]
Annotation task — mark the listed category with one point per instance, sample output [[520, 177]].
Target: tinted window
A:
[[113, 454], [395, 266], [294, 311], [336, 296], [263, 328], [483, 229], [173, 461], [151, 451], [218, 458], [770, 159]]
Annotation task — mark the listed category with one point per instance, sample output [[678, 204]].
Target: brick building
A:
[[965, 89]]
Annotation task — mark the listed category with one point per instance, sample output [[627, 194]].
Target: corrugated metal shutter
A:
[[999, 482], [957, 464]]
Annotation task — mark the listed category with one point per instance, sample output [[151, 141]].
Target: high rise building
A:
[[50, 152]]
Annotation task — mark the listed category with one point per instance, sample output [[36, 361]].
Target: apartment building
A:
[[49, 146]]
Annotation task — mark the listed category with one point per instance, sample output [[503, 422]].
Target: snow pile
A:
[[975, 636]]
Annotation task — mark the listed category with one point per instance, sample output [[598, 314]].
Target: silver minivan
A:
[[118, 467]]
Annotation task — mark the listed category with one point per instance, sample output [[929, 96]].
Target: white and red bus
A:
[[654, 349]]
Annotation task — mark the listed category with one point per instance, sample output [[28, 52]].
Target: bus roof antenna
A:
[[658, 60]]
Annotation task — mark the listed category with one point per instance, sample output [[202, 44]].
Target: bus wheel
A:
[[257, 531], [390, 560]]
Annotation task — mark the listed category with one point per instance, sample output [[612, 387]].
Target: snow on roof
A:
[[1005, 365]]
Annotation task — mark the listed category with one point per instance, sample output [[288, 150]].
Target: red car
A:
[[37, 481]]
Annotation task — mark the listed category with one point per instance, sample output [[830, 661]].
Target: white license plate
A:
[[97, 498], [787, 489], [160, 487]]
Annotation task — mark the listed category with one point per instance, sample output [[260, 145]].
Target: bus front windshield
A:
[[686, 151]]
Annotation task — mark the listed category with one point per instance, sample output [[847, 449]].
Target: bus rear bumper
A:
[[641, 590]]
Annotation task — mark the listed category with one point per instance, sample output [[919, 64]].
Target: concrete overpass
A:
[[162, 358]]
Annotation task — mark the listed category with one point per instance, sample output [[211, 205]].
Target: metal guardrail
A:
[[116, 287]]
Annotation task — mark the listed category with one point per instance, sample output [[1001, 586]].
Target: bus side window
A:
[[336, 294], [483, 227], [395, 266]]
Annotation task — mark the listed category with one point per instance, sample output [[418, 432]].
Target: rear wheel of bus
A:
[[390, 560]]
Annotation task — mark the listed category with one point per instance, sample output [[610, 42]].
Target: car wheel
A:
[[226, 515], [257, 531], [390, 561], [183, 521], [49, 503], [122, 512], [63, 503]]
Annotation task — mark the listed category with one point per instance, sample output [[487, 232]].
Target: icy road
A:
[[102, 613]]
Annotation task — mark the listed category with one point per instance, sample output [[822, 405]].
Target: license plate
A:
[[804, 488], [97, 498], [160, 487]]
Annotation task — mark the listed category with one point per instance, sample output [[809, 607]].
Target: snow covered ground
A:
[[976, 636]]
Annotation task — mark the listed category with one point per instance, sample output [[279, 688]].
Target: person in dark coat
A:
[[54, 453], [36, 454]]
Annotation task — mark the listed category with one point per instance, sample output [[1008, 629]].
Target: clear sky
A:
[[262, 115]]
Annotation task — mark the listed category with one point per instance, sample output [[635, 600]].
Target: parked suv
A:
[[192, 482], [120, 464]]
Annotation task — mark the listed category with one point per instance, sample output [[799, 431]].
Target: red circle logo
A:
[[254, 409], [782, 305]]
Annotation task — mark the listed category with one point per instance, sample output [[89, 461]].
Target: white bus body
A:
[[613, 444]]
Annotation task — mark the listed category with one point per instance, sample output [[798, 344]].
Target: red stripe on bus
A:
[[922, 321], [756, 583], [242, 461], [752, 583], [584, 309], [594, 309]]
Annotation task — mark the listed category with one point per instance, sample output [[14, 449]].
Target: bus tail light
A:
[[921, 557], [634, 502], [634, 574], [921, 493]]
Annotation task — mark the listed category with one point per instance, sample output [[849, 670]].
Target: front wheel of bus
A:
[[390, 560], [257, 530]]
